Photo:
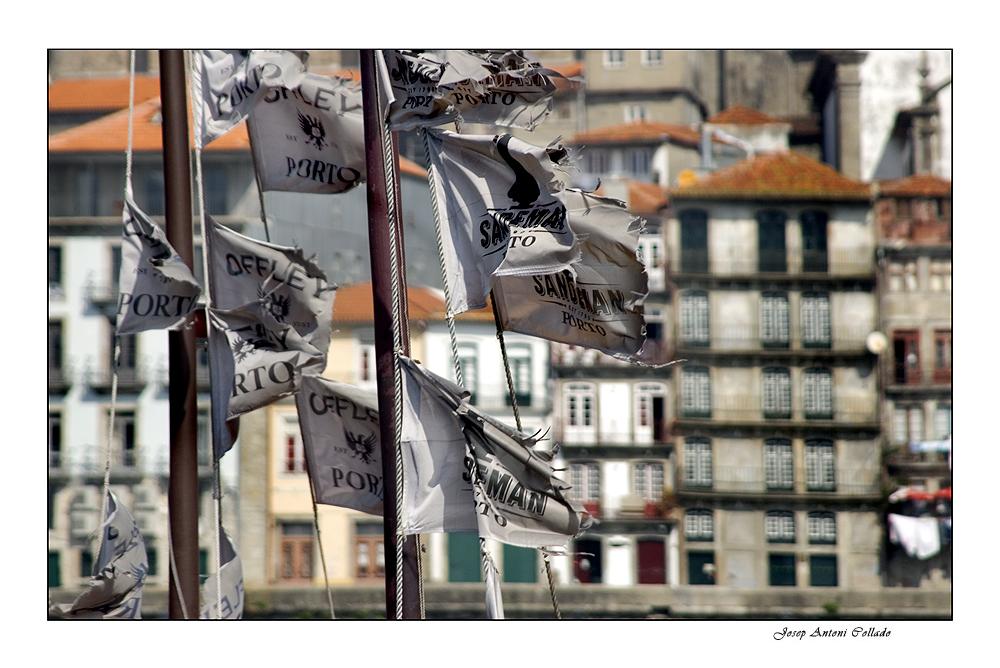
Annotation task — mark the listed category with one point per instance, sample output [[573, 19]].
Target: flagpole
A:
[[380, 235], [183, 485]]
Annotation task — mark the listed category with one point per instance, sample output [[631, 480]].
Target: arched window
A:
[[817, 394], [778, 464], [821, 470], [694, 319], [699, 525], [779, 526], [815, 312], [698, 462], [696, 392], [776, 393], [774, 329], [822, 527]]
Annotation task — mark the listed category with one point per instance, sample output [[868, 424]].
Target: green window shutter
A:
[[463, 558], [520, 564]]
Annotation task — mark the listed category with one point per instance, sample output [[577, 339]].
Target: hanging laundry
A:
[[919, 536]]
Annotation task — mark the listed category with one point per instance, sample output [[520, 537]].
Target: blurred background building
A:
[[799, 268]]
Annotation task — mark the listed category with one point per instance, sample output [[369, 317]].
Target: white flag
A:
[[255, 360], [309, 139], [226, 84], [602, 307], [156, 289], [493, 87], [497, 195], [340, 434], [115, 592], [230, 604], [291, 287], [515, 496]]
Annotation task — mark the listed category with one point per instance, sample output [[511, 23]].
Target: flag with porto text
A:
[[156, 290], [255, 360], [457, 458], [115, 589], [290, 286], [493, 87], [342, 443], [497, 195], [227, 83], [309, 139], [601, 307], [228, 582]]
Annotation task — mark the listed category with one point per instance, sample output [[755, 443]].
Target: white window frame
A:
[[815, 313], [696, 326], [647, 480], [821, 466], [651, 252], [643, 416], [580, 405], [519, 358], [696, 391], [776, 392], [614, 59], [468, 359], [779, 526], [940, 276], [585, 482], [698, 462], [942, 421], [699, 525], [367, 374], [779, 468], [291, 435], [652, 57], [817, 393], [822, 527], [908, 424], [775, 326], [635, 113]]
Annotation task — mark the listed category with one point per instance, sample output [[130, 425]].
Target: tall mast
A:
[[183, 485], [381, 231]]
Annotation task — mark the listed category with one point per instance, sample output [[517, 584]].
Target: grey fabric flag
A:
[[493, 87], [515, 495], [230, 604], [309, 139], [115, 591], [255, 360], [291, 287], [340, 434], [156, 290], [226, 84], [497, 195], [602, 307]]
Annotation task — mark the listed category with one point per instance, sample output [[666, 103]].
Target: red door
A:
[[652, 561]]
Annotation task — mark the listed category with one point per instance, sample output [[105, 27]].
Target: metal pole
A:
[[379, 231], [183, 485]]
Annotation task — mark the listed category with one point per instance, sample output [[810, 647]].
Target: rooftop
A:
[[741, 115], [100, 93], [918, 185], [777, 175], [639, 132], [355, 305]]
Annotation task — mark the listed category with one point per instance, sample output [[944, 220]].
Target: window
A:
[[814, 241], [152, 560], [696, 393], [369, 550], [651, 57], [779, 526], [585, 480], [54, 570], [648, 420], [817, 394], [781, 570], [908, 425], [822, 528], [699, 525], [651, 254], [903, 276], [822, 570], [587, 560], [55, 351], [648, 481], [695, 319], [597, 161], [614, 59], [204, 438], [698, 462], [123, 439], [86, 563], [638, 160], [942, 356], [579, 404], [150, 192], [294, 456], [771, 255], [774, 324], [468, 360], [295, 552], [815, 314], [128, 357], [55, 272], [778, 464], [701, 568], [906, 356], [464, 558], [902, 209], [635, 113], [520, 564], [694, 241], [519, 358], [367, 373], [55, 441], [776, 396], [216, 195], [820, 466], [942, 421], [940, 276]]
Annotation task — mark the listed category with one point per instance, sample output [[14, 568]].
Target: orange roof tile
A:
[[741, 115], [355, 304], [109, 134], [638, 131], [777, 175], [100, 93], [918, 185], [646, 198]]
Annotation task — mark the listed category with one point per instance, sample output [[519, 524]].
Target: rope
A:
[[319, 539], [217, 493], [449, 315], [552, 586], [256, 174], [506, 363], [177, 579]]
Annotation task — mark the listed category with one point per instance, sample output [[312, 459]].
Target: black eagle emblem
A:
[[275, 304], [362, 445], [313, 129]]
